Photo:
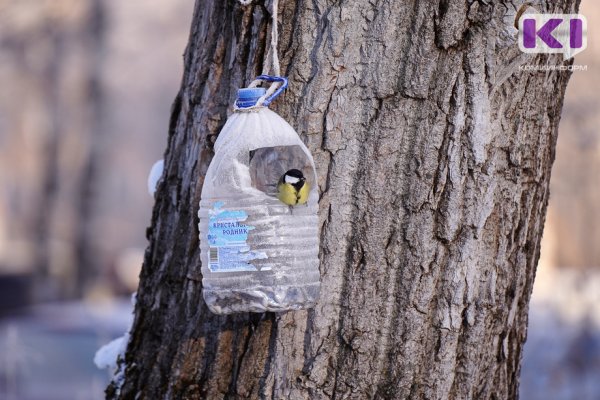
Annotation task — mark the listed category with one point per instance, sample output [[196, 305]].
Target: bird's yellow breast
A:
[[303, 193], [288, 194]]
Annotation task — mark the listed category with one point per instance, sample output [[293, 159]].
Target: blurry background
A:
[[85, 93], [562, 353], [86, 88]]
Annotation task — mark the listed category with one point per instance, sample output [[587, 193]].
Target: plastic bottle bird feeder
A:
[[258, 225]]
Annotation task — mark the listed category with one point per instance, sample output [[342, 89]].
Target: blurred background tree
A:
[[573, 222], [83, 111]]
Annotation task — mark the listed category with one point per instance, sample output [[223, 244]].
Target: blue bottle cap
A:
[[247, 97]]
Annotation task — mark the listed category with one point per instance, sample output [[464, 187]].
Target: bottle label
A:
[[227, 241]]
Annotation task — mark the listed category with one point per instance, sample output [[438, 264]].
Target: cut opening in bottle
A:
[[268, 166]]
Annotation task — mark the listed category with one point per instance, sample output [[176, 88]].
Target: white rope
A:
[[274, 38], [271, 60]]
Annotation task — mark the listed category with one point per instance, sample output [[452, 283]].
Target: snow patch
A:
[[154, 176], [106, 357]]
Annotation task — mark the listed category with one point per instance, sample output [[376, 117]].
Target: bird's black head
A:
[[295, 173], [295, 178]]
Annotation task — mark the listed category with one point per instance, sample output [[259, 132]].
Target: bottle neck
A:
[[247, 97]]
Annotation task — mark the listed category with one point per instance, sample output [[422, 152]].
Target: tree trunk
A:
[[433, 154]]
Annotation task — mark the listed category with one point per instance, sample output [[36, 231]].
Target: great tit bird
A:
[[292, 188]]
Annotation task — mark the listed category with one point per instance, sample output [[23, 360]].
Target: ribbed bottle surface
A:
[[280, 242]]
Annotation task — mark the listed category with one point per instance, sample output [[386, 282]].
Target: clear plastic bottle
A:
[[258, 254]]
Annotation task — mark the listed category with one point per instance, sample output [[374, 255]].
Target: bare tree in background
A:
[[51, 121], [87, 265], [433, 154]]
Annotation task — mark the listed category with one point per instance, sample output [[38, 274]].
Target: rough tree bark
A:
[[433, 154]]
